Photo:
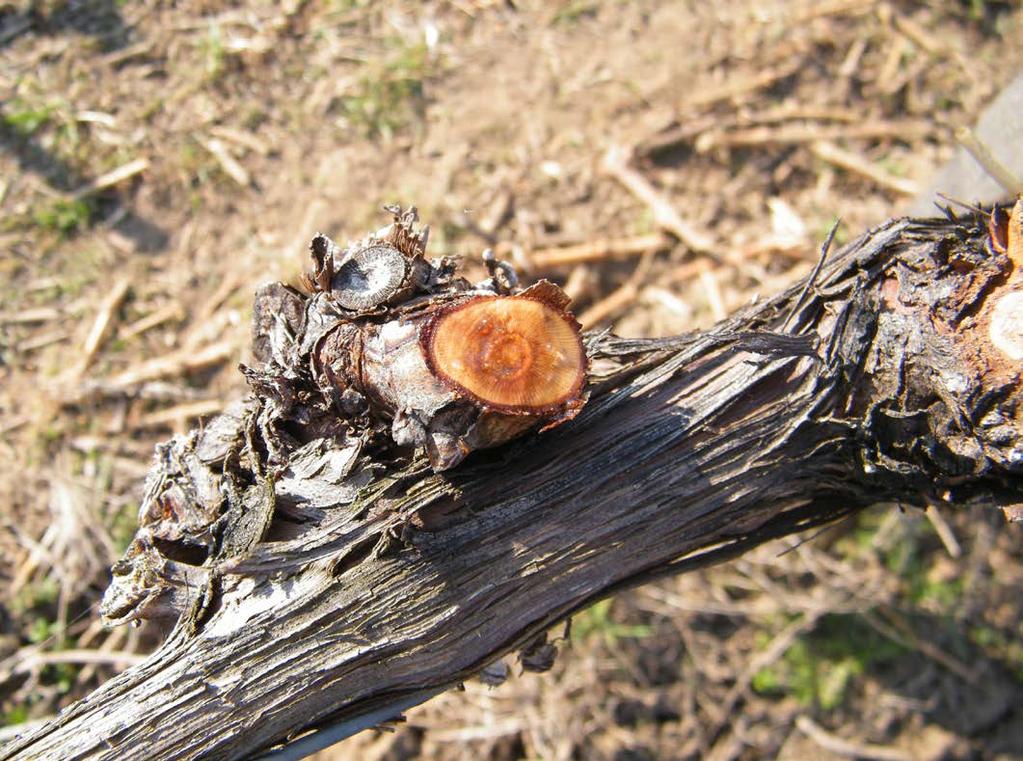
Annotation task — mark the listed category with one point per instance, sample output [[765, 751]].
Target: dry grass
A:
[[158, 162]]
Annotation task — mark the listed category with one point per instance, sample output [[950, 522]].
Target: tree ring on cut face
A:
[[521, 355], [505, 355]]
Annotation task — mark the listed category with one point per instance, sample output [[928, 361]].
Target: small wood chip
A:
[[740, 86], [96, 117], [944, 531], [817, 10], [111, 178], [242, 138], [983, 156], [25, 316], [710, 287], [138, 50], [616, 165], [828, 151], [597, 250], [180, 413], [170, 313], [917, 34], [37, 660], [100, 327], [811, 133], [42, 340], [228, 163], [847, 748], [187, 359], [618, 299]]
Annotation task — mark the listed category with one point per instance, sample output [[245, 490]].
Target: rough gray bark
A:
[[328, 577]]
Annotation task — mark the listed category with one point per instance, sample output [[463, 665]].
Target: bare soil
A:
[[159, 161]]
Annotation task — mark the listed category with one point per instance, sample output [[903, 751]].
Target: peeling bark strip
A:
[[321, 572]]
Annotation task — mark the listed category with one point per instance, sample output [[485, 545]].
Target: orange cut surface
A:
[[510, 353]]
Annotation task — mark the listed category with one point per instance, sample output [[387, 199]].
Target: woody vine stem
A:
[[326, 560]]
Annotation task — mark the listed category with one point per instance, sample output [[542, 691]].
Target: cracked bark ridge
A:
[[323, 572]]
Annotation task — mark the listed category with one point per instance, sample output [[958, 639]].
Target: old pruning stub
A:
[[404, 347], [386, 353]]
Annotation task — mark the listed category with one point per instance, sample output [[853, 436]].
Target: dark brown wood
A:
[[346, 583]]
